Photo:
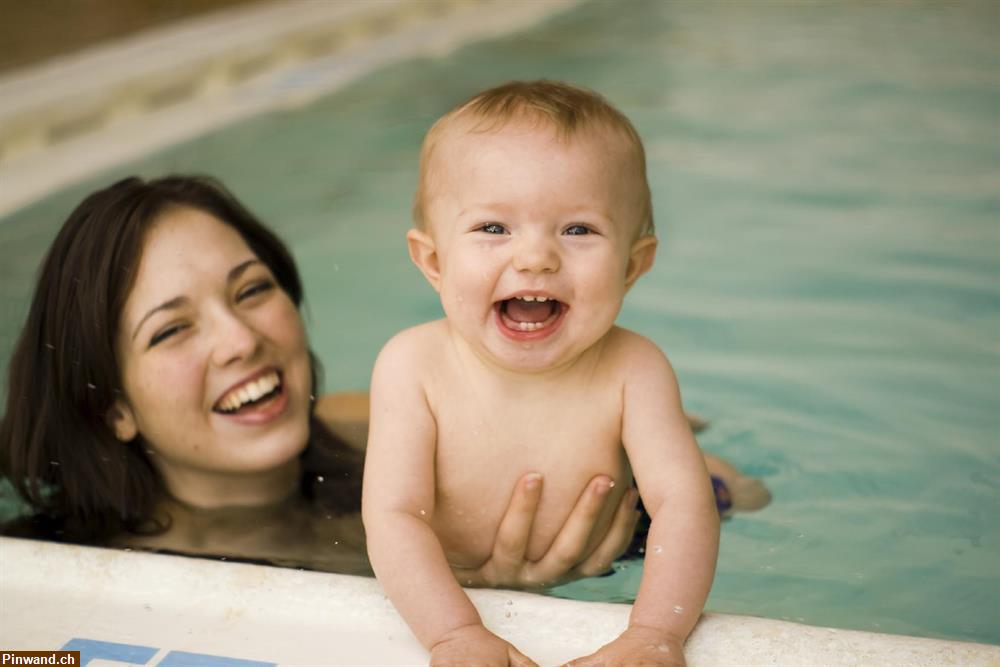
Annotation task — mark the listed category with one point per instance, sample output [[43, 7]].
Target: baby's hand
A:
[[476, 646], [638, 645]]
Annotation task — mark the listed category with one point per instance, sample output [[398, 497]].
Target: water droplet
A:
[[611, 484], [222, 558], [91, 386], [657, 549], [50, 346], [663, 648], [423, 513], [678, 609], [336, 542], [53, 463], [319, 478]]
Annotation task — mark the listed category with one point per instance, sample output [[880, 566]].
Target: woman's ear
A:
[[424, 254], [121, 420], [640, 259]]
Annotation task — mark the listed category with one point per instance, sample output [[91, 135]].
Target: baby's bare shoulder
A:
[[628, 351], [414, 348]]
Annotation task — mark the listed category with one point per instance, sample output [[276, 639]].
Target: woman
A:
[[161, 396]]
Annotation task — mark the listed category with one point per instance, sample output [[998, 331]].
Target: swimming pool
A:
[[825, 182]]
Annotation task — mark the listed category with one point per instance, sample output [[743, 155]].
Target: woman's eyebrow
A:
[[234, 274], [238, 270], [166, 305]]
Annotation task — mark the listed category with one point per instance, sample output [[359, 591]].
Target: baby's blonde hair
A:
[[569, 109]]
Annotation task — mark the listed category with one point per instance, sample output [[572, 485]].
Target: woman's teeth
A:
[[250, 392]]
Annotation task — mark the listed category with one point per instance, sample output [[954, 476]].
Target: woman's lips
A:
[[257, 399], [265, 410]]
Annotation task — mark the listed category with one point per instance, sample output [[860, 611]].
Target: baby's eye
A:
[[165, 333], [493, 228], [255, 289], [577, 230]]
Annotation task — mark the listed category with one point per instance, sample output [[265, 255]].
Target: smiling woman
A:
[[215, 327], [161, 396]]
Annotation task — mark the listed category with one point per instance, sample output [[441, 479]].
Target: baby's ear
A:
[[121, 420], [640, 259], [424, 254]]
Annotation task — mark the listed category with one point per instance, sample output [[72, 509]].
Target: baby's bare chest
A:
[[485, 447]]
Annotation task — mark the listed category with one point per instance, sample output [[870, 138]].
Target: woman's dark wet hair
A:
[[56, 446]]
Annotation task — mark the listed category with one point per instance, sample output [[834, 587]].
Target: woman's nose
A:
[[536, 253], [233, 338]]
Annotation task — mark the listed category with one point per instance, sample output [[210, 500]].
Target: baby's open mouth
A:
[[529, 313], [250, 394]]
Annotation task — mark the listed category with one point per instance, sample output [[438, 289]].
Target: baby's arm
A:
[[683, 541], [397, 506]]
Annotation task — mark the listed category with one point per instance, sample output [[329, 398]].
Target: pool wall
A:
[[75, 115]]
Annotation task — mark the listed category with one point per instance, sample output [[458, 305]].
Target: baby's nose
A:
[[536, 254]]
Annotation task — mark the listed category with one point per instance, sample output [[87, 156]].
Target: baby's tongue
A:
[[528, 311]]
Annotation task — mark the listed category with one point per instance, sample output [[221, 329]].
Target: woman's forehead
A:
[[183, 248]]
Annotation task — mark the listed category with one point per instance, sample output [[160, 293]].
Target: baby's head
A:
[[533, 219], [567, 112]]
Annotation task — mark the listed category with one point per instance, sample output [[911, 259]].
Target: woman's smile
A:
[[258, 399]]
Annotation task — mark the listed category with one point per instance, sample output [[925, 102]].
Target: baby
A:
[[533, 219]]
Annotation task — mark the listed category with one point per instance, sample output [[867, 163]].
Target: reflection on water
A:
[[825, 180]]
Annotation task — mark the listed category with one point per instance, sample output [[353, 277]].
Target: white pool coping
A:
[[53, 593]]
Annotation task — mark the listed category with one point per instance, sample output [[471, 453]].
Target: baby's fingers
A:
[[518, 659], [618, 538]]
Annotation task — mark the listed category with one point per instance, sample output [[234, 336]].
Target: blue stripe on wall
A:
[[91, 649], [185, 659]]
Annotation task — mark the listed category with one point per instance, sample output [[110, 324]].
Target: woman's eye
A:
[[165, 333], [493, 228], [254, 289], [577, 230]]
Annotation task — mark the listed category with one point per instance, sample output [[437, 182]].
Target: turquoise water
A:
[[826, 179]]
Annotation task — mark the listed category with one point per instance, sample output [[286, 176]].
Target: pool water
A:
[[826, 182]]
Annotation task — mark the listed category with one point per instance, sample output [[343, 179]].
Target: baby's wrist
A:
[[460, 633], [658, 634]]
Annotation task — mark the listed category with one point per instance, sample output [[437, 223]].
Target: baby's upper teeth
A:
[[534, 298]]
